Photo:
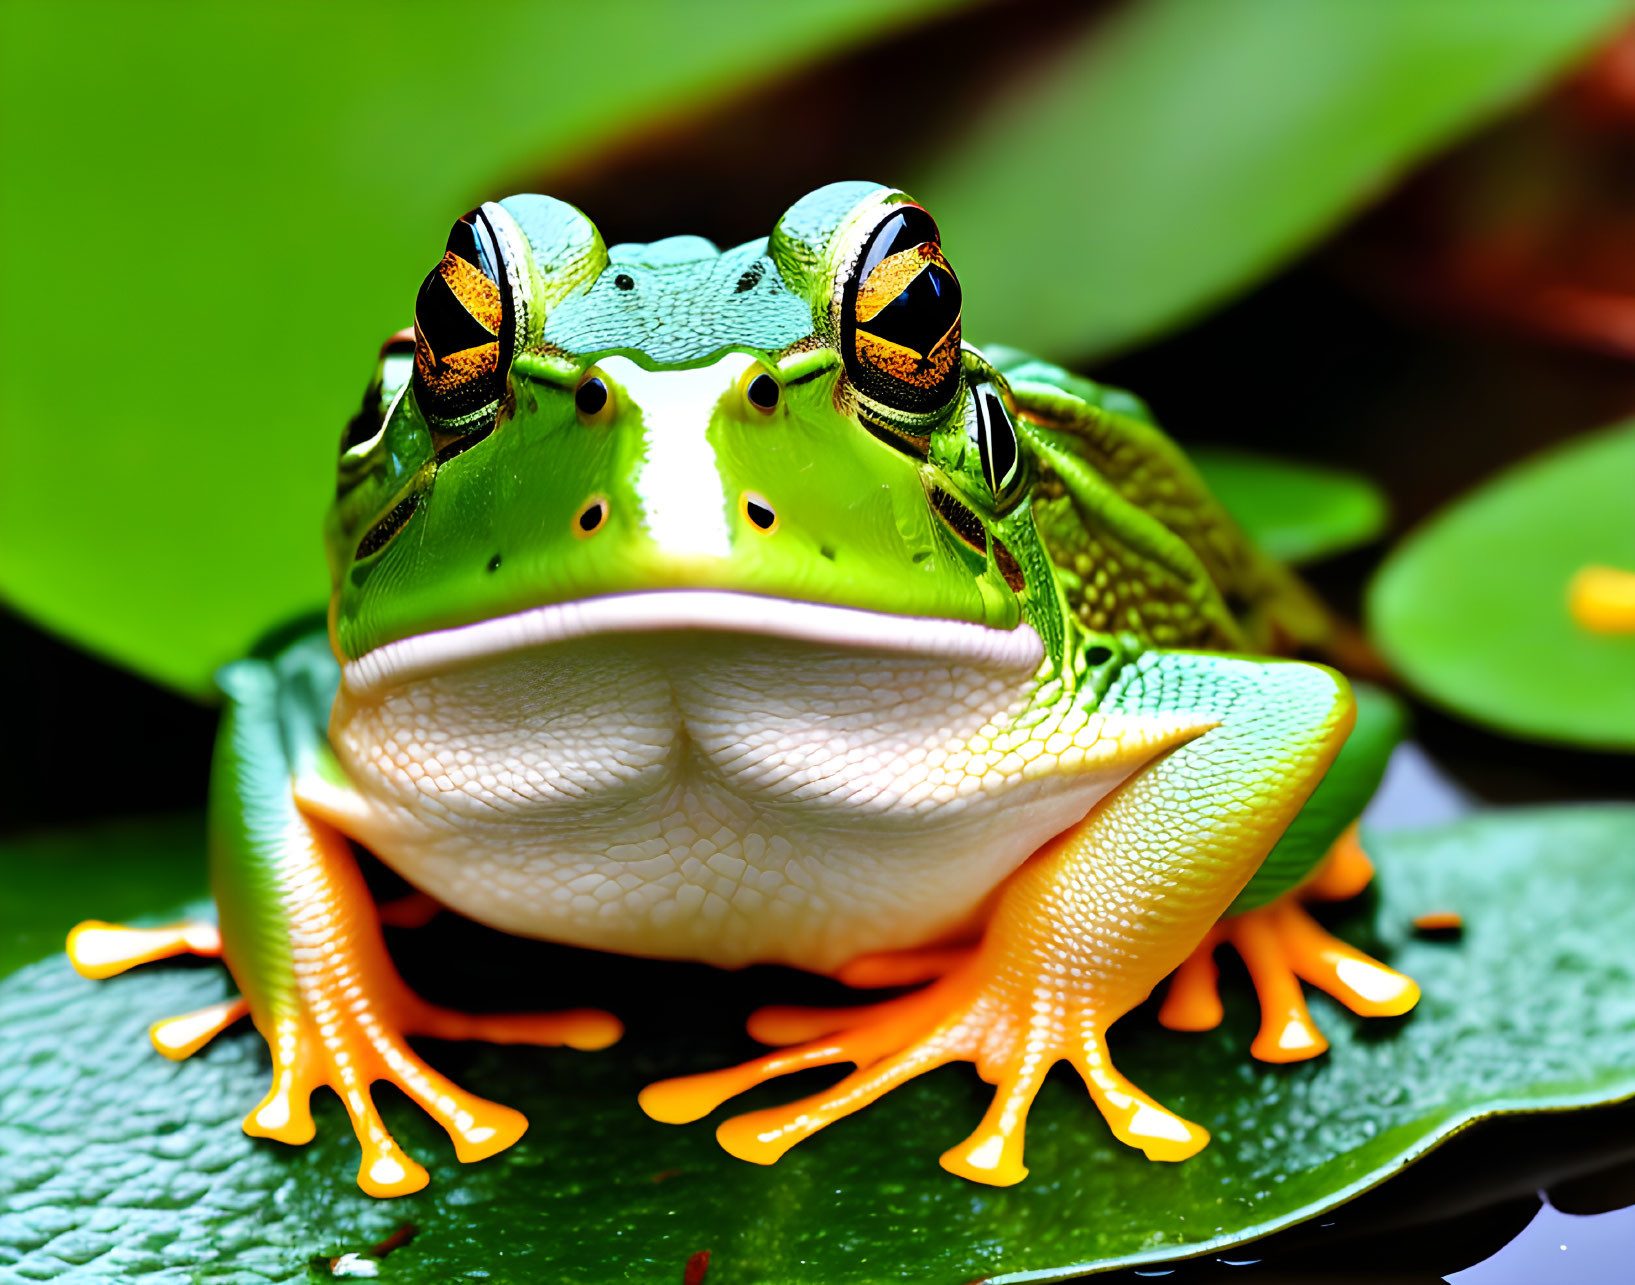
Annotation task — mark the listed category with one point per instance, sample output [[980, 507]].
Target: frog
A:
[[727, 606]]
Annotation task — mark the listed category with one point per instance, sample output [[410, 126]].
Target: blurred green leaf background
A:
[[219, 211]]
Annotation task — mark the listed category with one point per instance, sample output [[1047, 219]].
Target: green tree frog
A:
[[725, 605]]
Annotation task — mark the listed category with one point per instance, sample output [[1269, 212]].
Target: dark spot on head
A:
[[494, 563], [592, 516], [624, 281], [750, 279], [828, 552], [591, 396], [763, 392], [922, 555], [758, 511], [1098, 655]]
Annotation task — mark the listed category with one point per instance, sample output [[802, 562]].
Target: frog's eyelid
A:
[[806, 377], [802, 367], [544, 370]]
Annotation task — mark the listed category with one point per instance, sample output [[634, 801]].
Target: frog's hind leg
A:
[[1281, 945], [1079, 935]]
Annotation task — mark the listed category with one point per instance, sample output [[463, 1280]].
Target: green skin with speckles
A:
[[1102, 539]]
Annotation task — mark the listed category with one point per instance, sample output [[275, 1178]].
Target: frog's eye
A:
[[465, 327], [988, 426], [899, 314]]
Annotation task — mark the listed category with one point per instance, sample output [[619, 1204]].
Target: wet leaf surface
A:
[[1472, 608], [124, 1164]]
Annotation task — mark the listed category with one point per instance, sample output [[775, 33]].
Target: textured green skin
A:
[[121, 1165], [272, 730], [1336, 802]]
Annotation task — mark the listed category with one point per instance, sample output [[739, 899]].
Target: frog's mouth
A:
[[704, 610]]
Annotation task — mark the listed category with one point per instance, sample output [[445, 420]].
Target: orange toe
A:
[[1193, 1002], [902, 967], [587, 1029], [98, 950], [1344, 873], [1360, 982], [182, 1037]]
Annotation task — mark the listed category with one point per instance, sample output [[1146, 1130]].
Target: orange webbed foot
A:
[[1281, 945], [341, 1022], [978, 1012]]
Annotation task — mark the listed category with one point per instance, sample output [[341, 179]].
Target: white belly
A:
[[720, 797]]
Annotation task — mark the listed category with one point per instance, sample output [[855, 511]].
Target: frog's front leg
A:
[[1082, 932], [1319, 858], [301, 936]]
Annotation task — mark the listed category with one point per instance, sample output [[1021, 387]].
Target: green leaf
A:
[[1472, 610], [135, 1166], [1296, 512], [232, 205], [1191, 146], [220, 215]]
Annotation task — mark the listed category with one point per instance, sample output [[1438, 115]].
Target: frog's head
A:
[[795, 419]]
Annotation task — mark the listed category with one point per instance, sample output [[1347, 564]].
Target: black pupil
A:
[[1099, 655], [763, 391], [922, 314], [759, 514], [624, 281], [591, 397], [591, 518]]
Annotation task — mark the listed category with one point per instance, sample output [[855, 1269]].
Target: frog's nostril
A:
[[763, 392], [591, 518], [592, 397], [758, 511]]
